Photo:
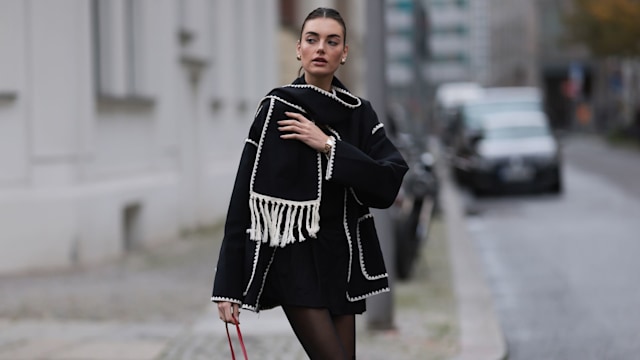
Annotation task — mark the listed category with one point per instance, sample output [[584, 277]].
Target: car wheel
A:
[[556, 188]]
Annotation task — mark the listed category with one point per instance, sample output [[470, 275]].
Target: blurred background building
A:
[[122, 121], [458, 40]]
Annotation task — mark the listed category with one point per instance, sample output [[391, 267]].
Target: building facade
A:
[[122, 121], [459, 40], [514, 46]]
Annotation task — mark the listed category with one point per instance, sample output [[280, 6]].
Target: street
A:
[[563, 269]]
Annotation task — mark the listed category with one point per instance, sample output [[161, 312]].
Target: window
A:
[[456, 30], [450, 58], [447, 3], [117, 38], [462, 3]]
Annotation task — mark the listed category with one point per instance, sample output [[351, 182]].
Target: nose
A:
[[320, 48]]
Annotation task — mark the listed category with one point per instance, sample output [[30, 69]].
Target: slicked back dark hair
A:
[[326, 13]]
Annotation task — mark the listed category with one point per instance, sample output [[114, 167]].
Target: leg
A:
[[316, 332], [346, 328]]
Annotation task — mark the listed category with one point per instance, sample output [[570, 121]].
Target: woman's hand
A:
[[229, 312], [303, 129]]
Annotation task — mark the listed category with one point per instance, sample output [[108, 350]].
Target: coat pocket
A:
[[369, 252]]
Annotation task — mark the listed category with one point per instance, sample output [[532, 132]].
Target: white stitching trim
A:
[[357, 298], [286, 102], [255, 264], [332, 95], [264, 131], [362, 267], [249, 307], [251, 142], [353, 192], [365, 216], [221, 298], [264, 278], [284, 201], [331, 156], [260, 106], [376, 128], [346, 231], [319, 157], [334, 132]]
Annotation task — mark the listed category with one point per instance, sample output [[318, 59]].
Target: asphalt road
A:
[[564, 270]]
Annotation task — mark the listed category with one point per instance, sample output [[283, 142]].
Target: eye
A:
[[311, 40], [333, 43]]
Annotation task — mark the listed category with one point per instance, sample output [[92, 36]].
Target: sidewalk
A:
[[425, 319], [149, 307], [481, 336]]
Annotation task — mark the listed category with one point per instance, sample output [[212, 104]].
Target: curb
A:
[[481, 336]]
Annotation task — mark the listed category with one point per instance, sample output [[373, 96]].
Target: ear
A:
[[345, 52], [298, 52]]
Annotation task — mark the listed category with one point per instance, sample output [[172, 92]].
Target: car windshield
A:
[[474, 113], [516, 132]]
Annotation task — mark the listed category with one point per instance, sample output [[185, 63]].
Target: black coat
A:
[[363, 161]]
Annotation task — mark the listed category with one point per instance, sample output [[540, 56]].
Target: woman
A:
[[298, 232]]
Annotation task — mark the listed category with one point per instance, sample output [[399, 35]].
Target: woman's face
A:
[[321, 47]]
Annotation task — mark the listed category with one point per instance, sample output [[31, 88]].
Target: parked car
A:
[[514, 149], [467, 123]]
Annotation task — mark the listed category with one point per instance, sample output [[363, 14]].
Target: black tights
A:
[[322, 335]]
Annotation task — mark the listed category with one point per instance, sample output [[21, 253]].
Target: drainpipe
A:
[[379, 307]]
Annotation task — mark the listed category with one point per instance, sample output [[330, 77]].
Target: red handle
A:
[[244, 350]]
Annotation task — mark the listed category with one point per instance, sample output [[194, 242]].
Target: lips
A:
[[320, 60]]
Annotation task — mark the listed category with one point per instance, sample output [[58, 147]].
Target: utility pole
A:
[[379, 307]]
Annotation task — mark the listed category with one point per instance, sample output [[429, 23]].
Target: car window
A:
[[474, 113], [516, 132]]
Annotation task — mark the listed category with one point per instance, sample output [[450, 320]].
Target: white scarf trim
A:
[[278, 220], [269, 214], [332, 94]]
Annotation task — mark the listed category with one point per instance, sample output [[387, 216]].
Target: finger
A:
[[236, 313], [296, 116], [288, 122], [228, 315], [224, 311], [293, 136], [287, 127], [221, 311]]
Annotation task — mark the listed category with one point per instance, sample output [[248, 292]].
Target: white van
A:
[[448, 99]]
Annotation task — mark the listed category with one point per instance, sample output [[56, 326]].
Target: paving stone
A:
[[111, 350], [33, 349]]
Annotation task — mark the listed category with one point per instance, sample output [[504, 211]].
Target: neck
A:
[[323, 83]]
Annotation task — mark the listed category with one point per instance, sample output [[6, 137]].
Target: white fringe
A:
[[275, 220]]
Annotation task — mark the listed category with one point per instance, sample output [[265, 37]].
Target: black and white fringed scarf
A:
[[286, 182]]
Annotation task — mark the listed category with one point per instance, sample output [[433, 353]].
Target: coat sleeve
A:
[[374, 171], [229, 273]]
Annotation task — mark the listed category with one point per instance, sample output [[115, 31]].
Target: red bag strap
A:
[[244, 350]]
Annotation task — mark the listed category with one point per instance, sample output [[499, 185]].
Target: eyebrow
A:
[[316, 34]]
